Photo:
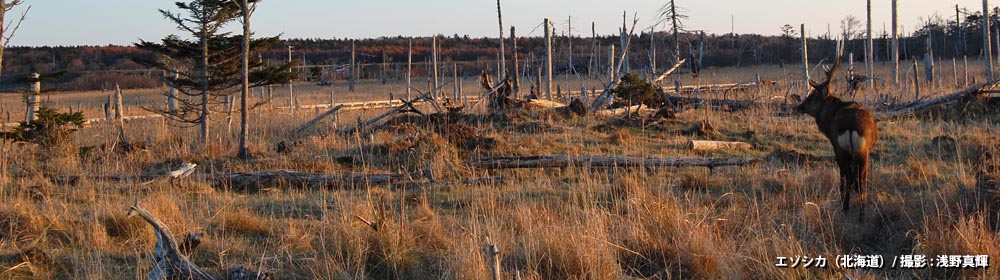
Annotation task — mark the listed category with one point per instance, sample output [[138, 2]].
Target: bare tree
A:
[[849, 27], [669, 13], [5, 34]]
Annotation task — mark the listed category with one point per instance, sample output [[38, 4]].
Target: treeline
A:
[[100, 67]]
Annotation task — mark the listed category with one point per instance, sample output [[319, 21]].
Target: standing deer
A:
[[851, 130]]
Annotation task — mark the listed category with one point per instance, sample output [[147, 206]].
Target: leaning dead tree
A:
[[7, 34]]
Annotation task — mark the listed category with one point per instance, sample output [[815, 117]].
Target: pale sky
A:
[[123, 22]]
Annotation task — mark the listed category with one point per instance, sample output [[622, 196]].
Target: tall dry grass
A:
[[930, 196]]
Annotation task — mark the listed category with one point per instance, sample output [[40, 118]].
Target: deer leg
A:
[[862, 181], [844, 165]]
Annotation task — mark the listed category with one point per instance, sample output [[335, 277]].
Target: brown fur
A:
[[851, 130]]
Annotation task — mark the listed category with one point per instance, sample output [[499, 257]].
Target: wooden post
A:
[[409, 69], [351, 72], [870, 51], [516, 75], [434, 64], [548, 59], [805, 61], [987, 40], [895, 43], [33, 102], [454, 80]]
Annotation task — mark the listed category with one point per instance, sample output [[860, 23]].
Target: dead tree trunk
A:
[[352, 71], [987, 40], [503, 59], [434, 64], [805, 62], [895, 43], [36, 91], [516, 75], [870, 51], [548, 59], [409, 69]]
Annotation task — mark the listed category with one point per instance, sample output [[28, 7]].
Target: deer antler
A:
[[831, 72]]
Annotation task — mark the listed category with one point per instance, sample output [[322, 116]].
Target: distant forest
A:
[[100, 67]]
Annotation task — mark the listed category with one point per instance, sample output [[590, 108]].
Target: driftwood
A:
[[965, 94], [170, 263], [603, 161], [699, 145]]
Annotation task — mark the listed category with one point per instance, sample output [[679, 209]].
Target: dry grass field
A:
[[934, 191]]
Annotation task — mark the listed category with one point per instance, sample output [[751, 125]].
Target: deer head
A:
[[821, 90]]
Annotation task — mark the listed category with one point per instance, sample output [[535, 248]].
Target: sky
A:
[[123, 22]]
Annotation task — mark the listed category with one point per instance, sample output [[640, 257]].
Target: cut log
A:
[[316, 120], [603, 161], [699, 145], [170, 263]]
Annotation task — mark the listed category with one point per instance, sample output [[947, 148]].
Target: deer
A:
[[851, 130]]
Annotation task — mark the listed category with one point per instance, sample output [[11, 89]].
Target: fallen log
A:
[[545, 104], [699, 145], [731, 104], [603, 161], [254, 181], [911, 108]]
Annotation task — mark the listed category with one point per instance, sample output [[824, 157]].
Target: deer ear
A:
[[814, 84]]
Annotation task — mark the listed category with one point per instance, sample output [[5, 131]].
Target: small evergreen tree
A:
[[49, 129], [210, 65], [635, 90]]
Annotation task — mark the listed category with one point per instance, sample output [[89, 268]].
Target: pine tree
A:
[[209, 66]]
